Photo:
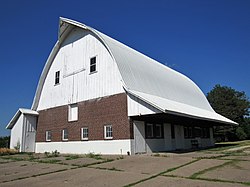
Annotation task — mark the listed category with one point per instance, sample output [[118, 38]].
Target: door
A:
[[30, 142], [139, 137], [179, 137], [30, 133]]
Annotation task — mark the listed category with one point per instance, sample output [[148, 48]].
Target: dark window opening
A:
[[196, 132], [154, 130], [172, 132], [93, 64], [57, 77]]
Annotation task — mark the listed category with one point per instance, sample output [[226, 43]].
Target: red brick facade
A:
[[94, 114]]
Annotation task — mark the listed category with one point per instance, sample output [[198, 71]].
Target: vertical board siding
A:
[[76, 82]]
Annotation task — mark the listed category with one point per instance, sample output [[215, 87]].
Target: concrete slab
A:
[[15, 170], [200, 165], [239, 171], [81, 161], [2, 161], [195, 154], [45, 159], [238, 157], [180, 182], [80, 177], [143, 164]]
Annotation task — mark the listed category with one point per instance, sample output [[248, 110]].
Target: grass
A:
[[6, 151], [72, 157], [94, 156], [52, 161], [195, 175], [110, 169], [34, 175], [223, 146]]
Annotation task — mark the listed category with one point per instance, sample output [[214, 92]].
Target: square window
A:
[[149, 130], [48, 136], [73, 112], [93, 65], [84, 133], [65, 135], [108, 132], [57, 77]]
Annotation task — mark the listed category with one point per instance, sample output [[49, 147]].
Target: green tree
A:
[[4, 142], [233, 105]]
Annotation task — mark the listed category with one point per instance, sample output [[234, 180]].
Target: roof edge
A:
[[179, 113], [18, 114]]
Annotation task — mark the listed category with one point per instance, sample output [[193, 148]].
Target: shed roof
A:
[[18, 114], [145, 78]]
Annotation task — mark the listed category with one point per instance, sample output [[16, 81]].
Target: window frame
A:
[[82, 133], [63, 135], [93, 65], [153, 130], [105, 132], [57, 78], [47, 137], [70, 107]]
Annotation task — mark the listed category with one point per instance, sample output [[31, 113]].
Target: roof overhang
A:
[[18, 114], [180, 109]]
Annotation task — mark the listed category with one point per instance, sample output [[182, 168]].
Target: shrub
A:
[[6, 151]]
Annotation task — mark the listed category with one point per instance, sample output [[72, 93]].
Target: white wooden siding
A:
[[138, 107], [16, 133], [76, 82]]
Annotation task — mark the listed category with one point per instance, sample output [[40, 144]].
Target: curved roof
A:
[[145, 78]]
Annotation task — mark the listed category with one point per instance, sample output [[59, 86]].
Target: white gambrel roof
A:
[[156, 84]]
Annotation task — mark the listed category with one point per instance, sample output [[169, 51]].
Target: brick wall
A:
[[93, 114]]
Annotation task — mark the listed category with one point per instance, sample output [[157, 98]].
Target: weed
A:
[[52, 161], [72, 157], [94, 156], [52, 154]]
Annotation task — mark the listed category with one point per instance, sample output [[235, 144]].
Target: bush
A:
[[240, 133], [53, 154], [6, 151], [4, 142]]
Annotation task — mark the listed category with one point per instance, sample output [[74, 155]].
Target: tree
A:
[[233, 105], [4, 142]]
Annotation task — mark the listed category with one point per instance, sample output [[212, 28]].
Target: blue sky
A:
[[207, 40]]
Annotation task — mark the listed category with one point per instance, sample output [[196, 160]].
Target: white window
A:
[[57, 77], [93, 65], [84, 133], [73, 112], [48, 136], [108, 132], [65, 135]]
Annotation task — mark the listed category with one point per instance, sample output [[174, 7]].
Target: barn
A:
[[98, 95]]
